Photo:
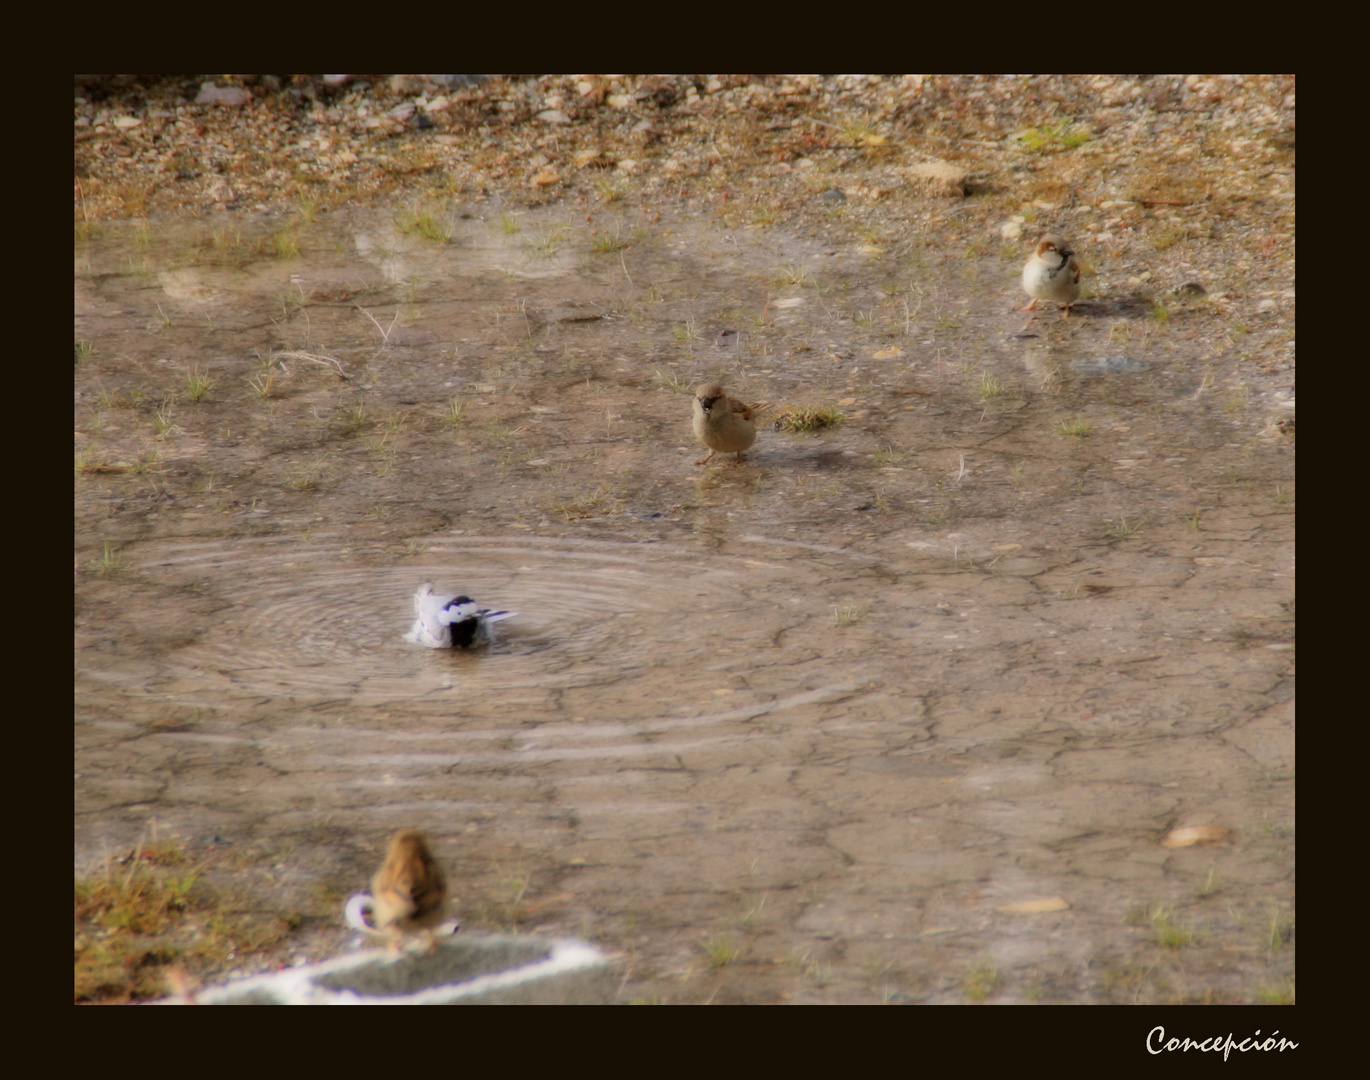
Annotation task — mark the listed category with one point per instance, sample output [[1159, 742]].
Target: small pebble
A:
[[222, 95]]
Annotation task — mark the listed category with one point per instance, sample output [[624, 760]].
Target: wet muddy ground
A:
[[915, 709]]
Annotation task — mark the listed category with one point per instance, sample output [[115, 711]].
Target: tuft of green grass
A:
[[198, 384], [890, 456], [610, 190], [83, 351], [673, 382], [791, 274], [805, 418], [606, 243], [595, 503], [989, 387], [1167, 932], [87, 461], [1062, 135], [1122, 528], [109, 563], [424, 224], [546, 245], [262, 383], [721, 951], [286, 244], [750, 916], [1075, 427], [1159, 312], [225, 239], [860, 132], [1278, 994], [451, 416], [847, 616], [304, 477], [980, 981], [161, 418], [1280, 930], [355, 415], [687, 333], [510, 225]]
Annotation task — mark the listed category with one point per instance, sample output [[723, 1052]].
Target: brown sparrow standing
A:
[[1052, 273], [721, 423], [408, 893]]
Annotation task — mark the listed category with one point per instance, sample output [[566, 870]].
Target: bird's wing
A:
[[429, 627], [421, 597], [428, 887], [455, 613]]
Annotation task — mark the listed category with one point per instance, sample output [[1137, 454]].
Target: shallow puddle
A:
[[900, 711]]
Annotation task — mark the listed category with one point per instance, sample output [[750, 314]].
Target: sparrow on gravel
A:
[[448, 622], [1051, 273], [408, 894], [721, 423]]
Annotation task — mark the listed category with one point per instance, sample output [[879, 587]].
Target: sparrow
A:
[[408, 894], [448, 622], [1051, 273], [721, 423]]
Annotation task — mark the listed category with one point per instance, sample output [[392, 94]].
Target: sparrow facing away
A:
[[450, 622], [1051, 273], [721, 423], [408, 894]]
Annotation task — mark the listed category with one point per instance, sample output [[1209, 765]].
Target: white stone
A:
[[221, 95]]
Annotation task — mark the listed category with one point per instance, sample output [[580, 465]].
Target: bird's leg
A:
[[739, 458], [1065, 311], [705, 461], [1031, 307]]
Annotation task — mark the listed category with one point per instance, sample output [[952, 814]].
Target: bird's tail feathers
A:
[[358, 905]]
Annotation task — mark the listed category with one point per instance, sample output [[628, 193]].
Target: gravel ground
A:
[[1180, 179]]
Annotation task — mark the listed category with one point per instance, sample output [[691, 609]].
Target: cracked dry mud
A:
[[901, 711]]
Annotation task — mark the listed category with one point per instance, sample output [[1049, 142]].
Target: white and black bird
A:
[[451, 622]]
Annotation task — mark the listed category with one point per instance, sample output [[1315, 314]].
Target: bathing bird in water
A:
[[408, 894], [447, 622]]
